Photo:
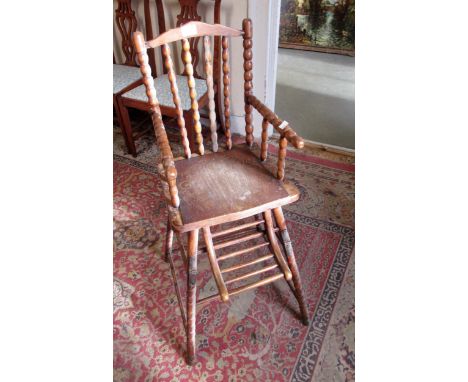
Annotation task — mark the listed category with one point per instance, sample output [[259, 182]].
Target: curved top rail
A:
[[193, 29]]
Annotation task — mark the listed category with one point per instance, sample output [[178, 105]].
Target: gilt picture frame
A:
[[318, 25]]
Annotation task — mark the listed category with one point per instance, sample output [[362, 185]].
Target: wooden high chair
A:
[[226, 186]]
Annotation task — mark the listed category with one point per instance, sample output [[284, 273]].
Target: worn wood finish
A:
[[226, 92], [183, 251], [275, 246], [160, 132], [211, 93], [264, 145], [176, 99], [210, 197], [283, 143], [169, 240], [178, 294], [192, 295], [193, 95], [296, 277], [248, 76], [193, 29], [214, 264], [127, 25]]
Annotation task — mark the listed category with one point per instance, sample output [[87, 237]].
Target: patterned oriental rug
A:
[[256, 335]]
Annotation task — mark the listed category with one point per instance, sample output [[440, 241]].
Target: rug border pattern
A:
[[321, 318]]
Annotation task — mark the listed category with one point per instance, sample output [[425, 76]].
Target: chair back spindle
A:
[[248, 86], [226, 82], [264, 146], [167, 158], [209, 83], [187, 58], [176, 99], [183, 34]]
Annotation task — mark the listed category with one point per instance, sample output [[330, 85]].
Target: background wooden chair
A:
[[127, 75], [136, 97], [204, 192]]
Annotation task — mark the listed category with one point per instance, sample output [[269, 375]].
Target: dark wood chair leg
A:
[[279, 217], [169, 240], [127, 128], [260, 227], [192, 295], [119, 119], [190, 126]]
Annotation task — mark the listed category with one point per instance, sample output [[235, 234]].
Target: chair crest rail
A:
[[193, 29]]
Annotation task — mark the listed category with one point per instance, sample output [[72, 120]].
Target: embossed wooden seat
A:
[[228, 195]]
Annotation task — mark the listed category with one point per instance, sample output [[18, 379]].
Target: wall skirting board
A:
[[323, 146]]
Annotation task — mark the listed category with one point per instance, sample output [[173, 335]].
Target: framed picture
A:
[[319, 25]]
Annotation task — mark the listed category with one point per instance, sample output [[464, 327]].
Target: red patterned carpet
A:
[[257, 335]]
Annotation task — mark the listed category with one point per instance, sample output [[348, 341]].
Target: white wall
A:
[[232, 14]]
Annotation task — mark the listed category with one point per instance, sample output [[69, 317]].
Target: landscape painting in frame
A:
[[320, 25]]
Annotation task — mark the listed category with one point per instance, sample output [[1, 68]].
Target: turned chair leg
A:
[[296, 278], [169, 240], [127, 129], [192, 295]]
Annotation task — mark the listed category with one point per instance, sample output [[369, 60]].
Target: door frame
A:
[[265, 29]]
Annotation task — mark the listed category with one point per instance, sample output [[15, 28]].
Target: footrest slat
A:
[[247, 275], [242, 251], [256, 284], [243, 265]]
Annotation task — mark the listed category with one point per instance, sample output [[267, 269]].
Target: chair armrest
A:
[[285, 131]]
